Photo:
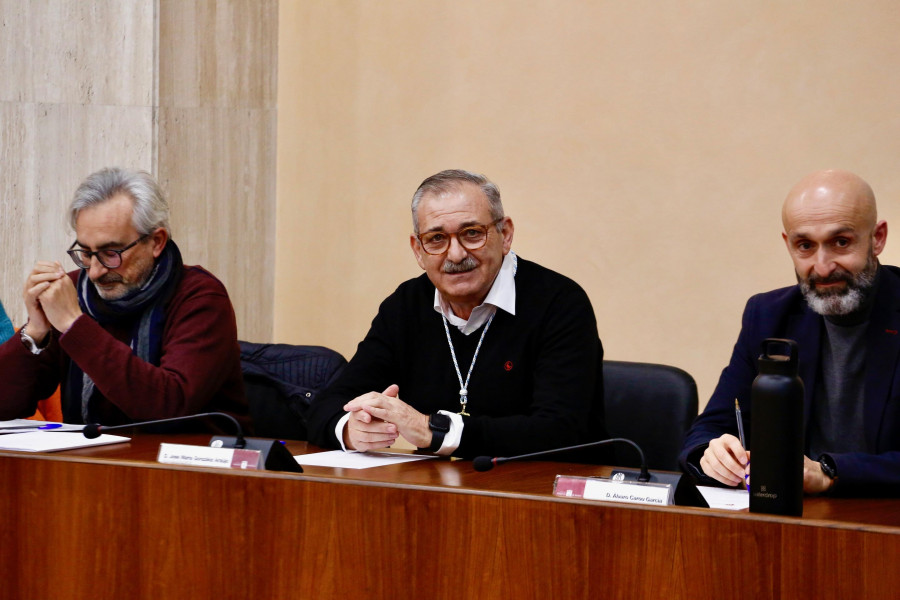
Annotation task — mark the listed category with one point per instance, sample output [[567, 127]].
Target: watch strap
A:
[[829, 467], [439, 425]]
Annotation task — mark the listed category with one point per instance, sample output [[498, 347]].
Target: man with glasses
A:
[[133, 334], [484, 354]]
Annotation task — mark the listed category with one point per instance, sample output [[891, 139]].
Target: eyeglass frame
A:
[[450, 236], [72, 252]]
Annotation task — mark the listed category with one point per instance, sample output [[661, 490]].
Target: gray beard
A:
[[111, 296], [128, 289], [847, 301]]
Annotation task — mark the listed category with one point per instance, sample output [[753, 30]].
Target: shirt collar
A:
[[502, 295]]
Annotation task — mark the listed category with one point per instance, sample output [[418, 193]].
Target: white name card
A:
[[633, 493], [204, 456], [613, 490]]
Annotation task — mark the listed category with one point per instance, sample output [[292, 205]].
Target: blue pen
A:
[[34, 427], [740, 424]]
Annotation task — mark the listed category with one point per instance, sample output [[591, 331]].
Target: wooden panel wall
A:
[[76, 92], [217, 111], [182, 88]]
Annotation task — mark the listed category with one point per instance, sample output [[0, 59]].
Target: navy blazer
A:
[[784, 313]]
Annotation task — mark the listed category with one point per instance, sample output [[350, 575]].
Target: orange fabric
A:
[[49, 409]]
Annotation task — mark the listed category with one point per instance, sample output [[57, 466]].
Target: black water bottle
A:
[[776, 429]]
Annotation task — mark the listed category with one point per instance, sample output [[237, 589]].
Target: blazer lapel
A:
[[883, 349]]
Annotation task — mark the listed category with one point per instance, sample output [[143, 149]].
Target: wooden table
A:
[[109, 522]]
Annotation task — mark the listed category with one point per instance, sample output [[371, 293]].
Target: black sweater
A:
[[537, 382]]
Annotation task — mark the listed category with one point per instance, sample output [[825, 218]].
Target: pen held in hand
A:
[[740, 426]]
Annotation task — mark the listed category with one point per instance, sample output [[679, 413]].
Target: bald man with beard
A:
[[844, 314]]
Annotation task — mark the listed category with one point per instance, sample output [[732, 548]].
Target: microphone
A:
[[274, 455], [486, 463], [93, 430]]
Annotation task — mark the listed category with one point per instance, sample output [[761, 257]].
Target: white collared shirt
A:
[[501, 295]]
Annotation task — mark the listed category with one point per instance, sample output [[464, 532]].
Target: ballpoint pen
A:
[[740, 426], [33, 427]]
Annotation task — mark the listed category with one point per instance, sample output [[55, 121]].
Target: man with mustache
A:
[[845, 316], [133, 334], [484, 354]]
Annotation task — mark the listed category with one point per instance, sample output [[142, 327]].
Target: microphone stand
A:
[[486, 463], [274, 455], [94, 430]]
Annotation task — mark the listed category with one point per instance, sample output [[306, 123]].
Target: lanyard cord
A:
[[463, 391]]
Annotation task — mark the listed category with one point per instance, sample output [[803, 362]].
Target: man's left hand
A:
[[815, 481], [60, 303], [411, 424]]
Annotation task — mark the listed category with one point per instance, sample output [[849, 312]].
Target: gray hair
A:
[[451, 179], [151, 210]]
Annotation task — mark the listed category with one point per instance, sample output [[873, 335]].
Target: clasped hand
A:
[[50, 299], [377, 419]]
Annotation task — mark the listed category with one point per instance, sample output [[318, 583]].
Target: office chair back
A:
[[652, 405]]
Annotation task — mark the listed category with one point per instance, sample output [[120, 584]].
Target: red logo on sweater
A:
[[508, 365]]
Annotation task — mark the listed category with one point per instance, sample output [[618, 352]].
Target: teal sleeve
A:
[[6, 326]]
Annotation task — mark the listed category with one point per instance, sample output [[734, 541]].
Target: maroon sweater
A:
[[199, 371]]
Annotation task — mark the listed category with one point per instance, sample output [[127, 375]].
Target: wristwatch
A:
[[829, 468], [29, 342], [439, 424]]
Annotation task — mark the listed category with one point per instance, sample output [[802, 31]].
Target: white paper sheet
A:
[[355, 460], [725, 498], [52, 441]]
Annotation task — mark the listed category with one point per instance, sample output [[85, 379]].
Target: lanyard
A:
[[463, 391]]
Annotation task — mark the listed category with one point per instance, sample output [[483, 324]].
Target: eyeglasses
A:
[[108, 257], [472, 237]]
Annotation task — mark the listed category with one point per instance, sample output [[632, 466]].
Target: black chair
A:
[[652, 405], [281, 380]]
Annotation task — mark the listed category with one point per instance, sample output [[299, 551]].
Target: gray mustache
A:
[[466, 264]]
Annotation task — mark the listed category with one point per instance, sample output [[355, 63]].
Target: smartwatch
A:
[[439, 424], [829, 468]]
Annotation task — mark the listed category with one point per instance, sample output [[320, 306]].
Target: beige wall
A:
[[182, 88], [642, 148]]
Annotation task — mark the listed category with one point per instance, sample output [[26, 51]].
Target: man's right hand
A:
[[43, 274], [725, 460], [365, 432]]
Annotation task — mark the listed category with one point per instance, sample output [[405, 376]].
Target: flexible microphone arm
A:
[[93, 430], [486, 463]]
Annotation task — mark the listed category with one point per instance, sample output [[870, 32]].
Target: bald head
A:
[[831, 196], [834, 238]]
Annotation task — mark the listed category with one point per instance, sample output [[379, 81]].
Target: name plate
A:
[[204, 456], [610, 490]]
